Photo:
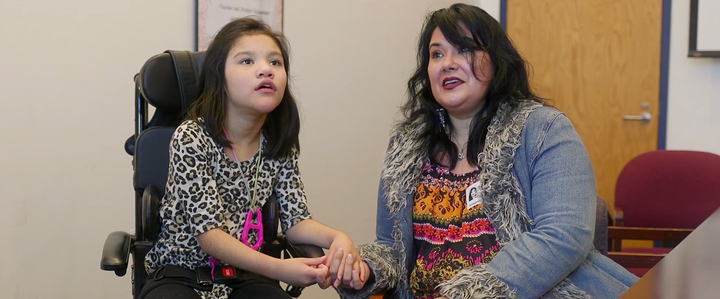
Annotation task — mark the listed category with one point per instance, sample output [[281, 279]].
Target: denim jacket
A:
[[539, 193]]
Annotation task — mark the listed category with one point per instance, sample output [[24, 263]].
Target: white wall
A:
[[693, 91], [66, 108], [492, 7]]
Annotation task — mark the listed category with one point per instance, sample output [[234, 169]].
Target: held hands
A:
[[302, 272], [346, 268]]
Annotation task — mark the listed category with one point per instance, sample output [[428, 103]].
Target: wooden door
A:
[[598, 61]]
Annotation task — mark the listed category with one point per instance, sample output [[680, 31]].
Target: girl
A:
[[238, 146]]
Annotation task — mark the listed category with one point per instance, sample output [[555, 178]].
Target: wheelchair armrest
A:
[[300, 250], [116, 252], [306, 250], [297, 250]]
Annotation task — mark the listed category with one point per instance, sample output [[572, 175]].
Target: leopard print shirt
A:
[[205, 191]]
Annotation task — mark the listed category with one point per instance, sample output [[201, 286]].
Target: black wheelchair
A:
[[169, 82]]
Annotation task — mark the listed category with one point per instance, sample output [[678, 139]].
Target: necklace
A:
[[254, 211], [461, 152]]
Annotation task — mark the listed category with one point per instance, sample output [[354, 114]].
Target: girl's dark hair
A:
[[282, 125], [509, 84]]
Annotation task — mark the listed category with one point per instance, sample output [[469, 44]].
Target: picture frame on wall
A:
[[704, 40], [212, 15]]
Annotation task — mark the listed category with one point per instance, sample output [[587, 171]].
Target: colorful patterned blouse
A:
[[448, 236]]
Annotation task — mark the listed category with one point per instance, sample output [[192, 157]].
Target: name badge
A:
[[472, 195]]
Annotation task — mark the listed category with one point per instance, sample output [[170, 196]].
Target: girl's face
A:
[[255, 75], [454, 85]]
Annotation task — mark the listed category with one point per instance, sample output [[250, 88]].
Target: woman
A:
[[472, 121]]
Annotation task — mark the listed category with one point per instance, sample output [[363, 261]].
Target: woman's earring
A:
[[441, 114]]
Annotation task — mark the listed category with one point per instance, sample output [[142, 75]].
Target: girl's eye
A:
[[464, 50], [436, 54], [275, 62], [246, 61]]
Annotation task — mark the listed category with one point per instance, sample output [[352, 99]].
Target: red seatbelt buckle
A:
[[228, 272], [227, 275]]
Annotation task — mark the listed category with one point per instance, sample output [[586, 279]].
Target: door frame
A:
[[664, 66]]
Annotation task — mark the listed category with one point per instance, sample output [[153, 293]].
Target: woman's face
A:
[[454, 85]]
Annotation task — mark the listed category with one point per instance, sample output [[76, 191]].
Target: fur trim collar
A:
[[503, 200]]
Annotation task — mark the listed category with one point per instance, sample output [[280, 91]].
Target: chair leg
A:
[[616, 245]]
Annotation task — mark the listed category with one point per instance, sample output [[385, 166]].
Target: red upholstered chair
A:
[[662, 195]]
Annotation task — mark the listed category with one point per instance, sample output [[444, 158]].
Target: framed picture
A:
[[212, 15], [704, 40]]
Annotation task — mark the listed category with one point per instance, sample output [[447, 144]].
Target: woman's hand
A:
[[341, 250], [352, 278]]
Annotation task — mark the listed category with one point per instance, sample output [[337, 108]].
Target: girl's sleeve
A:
[[290, 193]]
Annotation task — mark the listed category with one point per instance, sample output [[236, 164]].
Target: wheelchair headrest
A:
[[171, 79]]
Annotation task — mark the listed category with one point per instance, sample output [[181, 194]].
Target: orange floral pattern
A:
[[448, 236]]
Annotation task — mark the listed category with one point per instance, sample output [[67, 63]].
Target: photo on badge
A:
[[472, 195]]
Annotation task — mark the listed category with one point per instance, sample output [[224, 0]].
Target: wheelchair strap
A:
[[186, 75], [202, 278], [171, 275]]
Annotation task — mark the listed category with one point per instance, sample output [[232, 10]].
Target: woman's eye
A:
[[246, 61], [464, 50], [436, 54]]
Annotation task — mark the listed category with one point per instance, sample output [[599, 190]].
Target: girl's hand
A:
[[302, 272]]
